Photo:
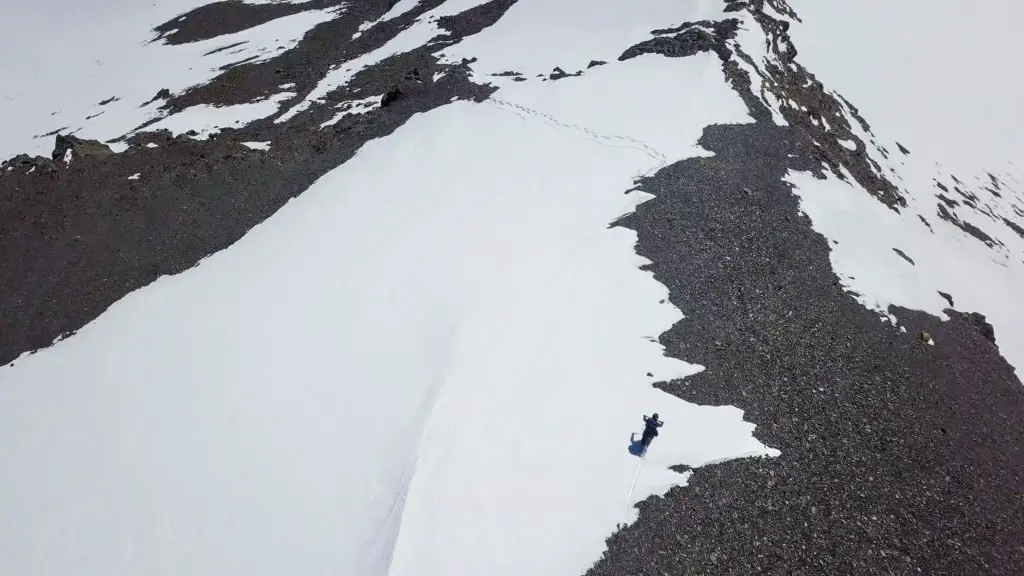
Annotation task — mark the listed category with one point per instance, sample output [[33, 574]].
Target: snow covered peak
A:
[[328, 287]]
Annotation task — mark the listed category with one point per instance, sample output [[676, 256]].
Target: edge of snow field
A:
[[297, 398], [962, 203], [894, 451], [490, 476], [156, 430], [917, 275], [901, 194]]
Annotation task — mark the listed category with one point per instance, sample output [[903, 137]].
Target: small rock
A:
[[948, 297], [557, 73]]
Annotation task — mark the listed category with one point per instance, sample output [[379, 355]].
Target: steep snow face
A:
[[93, 80], [429, 363], [963, 228], [939, 78]]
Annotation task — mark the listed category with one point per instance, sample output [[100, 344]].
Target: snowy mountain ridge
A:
[[383, 287]]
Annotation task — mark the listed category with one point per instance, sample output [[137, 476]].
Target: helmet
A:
[[655, 415]]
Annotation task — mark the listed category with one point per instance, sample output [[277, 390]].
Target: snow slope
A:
[[951, 98], [401, 372], [70, 73], [940, 78]]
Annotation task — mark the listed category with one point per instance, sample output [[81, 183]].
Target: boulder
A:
[[79, 148]]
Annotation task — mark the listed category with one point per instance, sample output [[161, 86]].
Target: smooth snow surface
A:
[[400, 372], [298, 403], [940, 77], [538, 35], [110, 57], [962, 124]]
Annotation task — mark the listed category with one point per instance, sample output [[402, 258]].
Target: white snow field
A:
[[60, 70], [428, 364], [942, 80]]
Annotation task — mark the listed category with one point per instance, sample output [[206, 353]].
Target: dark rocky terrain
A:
[[898, 456]]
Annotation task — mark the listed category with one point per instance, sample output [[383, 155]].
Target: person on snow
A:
[[651, 426]]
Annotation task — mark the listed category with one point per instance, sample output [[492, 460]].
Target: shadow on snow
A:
[[636, 447]]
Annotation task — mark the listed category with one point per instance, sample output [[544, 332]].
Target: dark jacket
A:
[[651, 426]]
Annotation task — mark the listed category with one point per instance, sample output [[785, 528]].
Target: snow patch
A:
[[135, 176], [257, 145], [409, 39], [207, 120], [353, 107], [397, 10]]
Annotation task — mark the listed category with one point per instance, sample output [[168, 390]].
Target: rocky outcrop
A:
[[390, 97], [69, 147], [25, 164], [66, 149], [688, 39]]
